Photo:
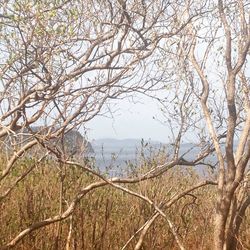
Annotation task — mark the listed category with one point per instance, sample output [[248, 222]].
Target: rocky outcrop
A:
[[76, 144], [72, 143]]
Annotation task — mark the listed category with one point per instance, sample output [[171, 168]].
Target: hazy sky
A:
[[130, 120]]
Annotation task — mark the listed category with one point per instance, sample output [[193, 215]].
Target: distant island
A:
[[72, 142]]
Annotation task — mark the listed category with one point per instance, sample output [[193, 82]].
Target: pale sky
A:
[[130, 120]]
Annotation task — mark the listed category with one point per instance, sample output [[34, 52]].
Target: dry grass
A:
[[105, 218]]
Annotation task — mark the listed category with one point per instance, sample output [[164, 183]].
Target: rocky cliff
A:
[[72, 143]]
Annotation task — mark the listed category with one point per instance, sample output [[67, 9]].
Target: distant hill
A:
[[130, 145], [73, 142], [121, 144]]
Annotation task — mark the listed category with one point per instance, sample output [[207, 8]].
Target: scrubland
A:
[[106, 218]]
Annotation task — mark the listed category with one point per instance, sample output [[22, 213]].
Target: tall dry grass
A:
[[105, 218]]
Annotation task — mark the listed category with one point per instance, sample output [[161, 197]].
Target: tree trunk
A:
[[219, 231], [226, 235], [233, 237]]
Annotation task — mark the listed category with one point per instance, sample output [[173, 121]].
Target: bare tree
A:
[[211, 100], [61, 62]]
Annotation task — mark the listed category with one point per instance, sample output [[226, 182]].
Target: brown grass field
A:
[[106, 218]]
